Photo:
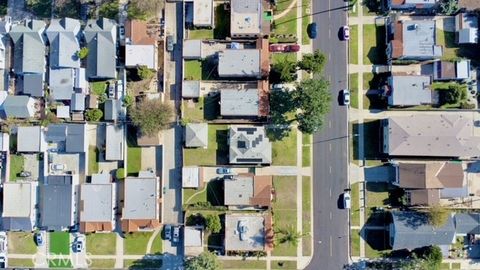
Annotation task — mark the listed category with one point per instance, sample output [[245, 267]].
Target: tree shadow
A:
[[211, 106], [376, 54], [148, 262], [222, 23], [215, 194]]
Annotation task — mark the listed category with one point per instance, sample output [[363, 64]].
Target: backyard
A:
[[196, 70], [284, 151], [200, 34], [215, 154], [98, 88], [447, 40], [101, 243], [59, 243], [16, 166], [92, 160], [206, 108], [134, 153], [284, 211]]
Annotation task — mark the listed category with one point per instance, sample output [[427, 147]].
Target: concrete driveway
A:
[[379, 174]]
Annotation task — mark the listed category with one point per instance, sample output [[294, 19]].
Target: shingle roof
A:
[[431, 175], [76, 141], [62, 35], [249, 145], [19, 106], [78, 102], [61, 83], [29, 47], [101, 36], [196, 135], [32, 84], [30, 139], [56, 202], [467, 223]]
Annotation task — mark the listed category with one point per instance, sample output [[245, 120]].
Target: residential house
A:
[[5, 26], [4, 142], [19, 206], [101, 38], [467, 223], [441, 135], [58, 207], [63, 111], [425, 183], [249, 145], [31, 84], [248, 191], [412, 40], [451, 71], [63, 37], [31, 139], [193, 240], [199, 13], [97, 204], [196, 135], [115, 141], [71, 138], [141, 209], [242, 63], [244, 103], [411, 5], [411, 230], [191, 89], [113, 110], [408, 90], [78, 102], [248, 232], [192, 177], [19, 107], [61, 82], [140, 45], [466, 27], [80, 79], [248, 19], [29, 47]]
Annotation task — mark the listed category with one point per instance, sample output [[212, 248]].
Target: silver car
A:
[[176, 234], [167, 230]]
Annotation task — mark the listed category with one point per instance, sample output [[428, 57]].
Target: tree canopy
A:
[[449, 7], [145, 73], [109, 10], [284, 71], [151, 116], [312, 62], [82, 53], [213, 223], [143, 9], [437, 215], [205, 261], [93, 114]]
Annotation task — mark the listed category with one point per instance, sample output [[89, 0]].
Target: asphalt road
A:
[[330, 150]]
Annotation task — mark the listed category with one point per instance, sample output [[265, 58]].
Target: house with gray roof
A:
[[63, 38], [411, 230], [80, 81], [199, 13], [31, 84], [196, 135], [191, 89], [242, 63], [19, 106], [61, 82], [58, 207], [409, 90], [440, 135], [141, 209], [29, 47], [467, 223], [410, 5], [249, 145], [240, 102], [101, 38], [19, 201], [451, 71], [247, 19], [113, 110], [412, 40], [466, 26], [78, 102], [98, 202], [72, 136], [245, 232], [31, 139], [5, 26], [4, 142], [115, 141], [192, 49]]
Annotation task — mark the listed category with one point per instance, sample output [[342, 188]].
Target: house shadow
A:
[[215, 194], [221, 136], [377, 54], [149, 261], [372, 133], [379, 174], [211, 106]]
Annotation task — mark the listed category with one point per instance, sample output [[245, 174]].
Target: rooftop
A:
[[248, 190], [19, 106], [244, 232], [246, 17], [96, 202], [140, 55], [409, 90], [61, 82], [249, 145], [415, 39], [31, 139], [432, 175], [56, 205], [29, 47], [63, 38], [141, 198], [192, 177], [239, 63], [239, 102], [101, 37], [114, 142], [19, 199]]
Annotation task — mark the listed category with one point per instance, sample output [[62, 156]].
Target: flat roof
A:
[[410, 90], [96, 202], [239, 102], [239, 190], [193, 236], [203, 12], [239, 63], [253, 237], [142, 55], [190, 177], [19, 199], [419, 39], [141, 198], [114, 142], [246, 17]]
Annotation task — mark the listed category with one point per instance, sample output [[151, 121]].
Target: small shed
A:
[[192, 177], [196, 135], [63, 111], [192, 49], [191, 89]]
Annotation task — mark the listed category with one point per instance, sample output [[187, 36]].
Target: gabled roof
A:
[[431, 175], [248, 190], [136, 32], [32, 84], [101, 36], [76, 141], [63, 37], [31, 139], [249, 145], [196, 135], [412, 230], [61, 83], [29, 47], [113, 110], [467, 223], [56, 202], [19, 106], [78, 102], [423, 196]]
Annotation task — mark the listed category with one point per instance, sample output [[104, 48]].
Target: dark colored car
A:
[[292, 48], [170, 43], [276, 48], [312, 30]]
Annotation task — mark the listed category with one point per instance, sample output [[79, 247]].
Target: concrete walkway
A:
[[119, 251], [152, 238]]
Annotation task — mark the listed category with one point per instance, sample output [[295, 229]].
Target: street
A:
[[330, 150]]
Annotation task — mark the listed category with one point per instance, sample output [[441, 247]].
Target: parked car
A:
[[346, 97], [170, 43], [292, 48], [111, 90], [3, 243], [228, 177], [242, 229], [276, 48], [346, 200], [39, 239], [312, 30], [176, 234], [167, 230], [224, 170], [57, 167], [3, 262], [345, 32], [25, 174], [122, 32], [79, 244]]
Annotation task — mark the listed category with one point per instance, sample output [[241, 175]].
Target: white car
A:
[[345, 32], [57, 167], [346, 97], [347, 200], [3, 243]]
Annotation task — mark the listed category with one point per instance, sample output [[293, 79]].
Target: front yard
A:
[[101, 243], [102, 264], [21, 243], [21, 263], [353, 45], [374, 45], [284, 211], [215, 154], [59, 243], [241, 264], [355, 210], [284, 151], [287, 24], [136, 243]]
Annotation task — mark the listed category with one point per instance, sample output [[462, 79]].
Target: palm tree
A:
[[289, 235]]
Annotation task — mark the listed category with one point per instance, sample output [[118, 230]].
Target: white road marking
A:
[[331, 247], [330, 193], [330, 147], [330, 123], [330, 167], [331, 216]]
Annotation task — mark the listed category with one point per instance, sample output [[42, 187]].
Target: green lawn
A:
[[377, 195], [355, 238], [355, 210], [306, 156], [353, 45], [59, 243], [240, 264], [193, 70], [92, 160], [157, 245], [60, 263], [368, 81], [456, 265], [134, 160], [353, 82], [20, 262], [306, 138], [306, 215], [215, 154], [192, 196], [284, 211], [206, 108], [16, 166], [102, 263], [306, 19], [98, 88], [291, 265], [136, 243], [284, 152], [101, 243], [281, 57], [286, 25], [21, 243], [447, 40], [353, 8], [374, 45], [200, 34]]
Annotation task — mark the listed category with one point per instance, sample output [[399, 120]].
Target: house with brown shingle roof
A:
[[248, 191], [410, 5]]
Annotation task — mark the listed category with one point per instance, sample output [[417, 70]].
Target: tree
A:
[[143, 9], [289, 235], [433, 257], [41, 8], [151, 116], [145, 73], [205, 261], [437, 215], [449, 7], [120, 173], [109, 9], [313, 62], [284, 71], [313, 98], [82, 53], [127, 101], [280, 106], [213, 223], [93, 115]]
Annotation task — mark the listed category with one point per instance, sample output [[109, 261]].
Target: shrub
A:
[[93, 115], [82, 53], [145, 73], [120, 173]]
